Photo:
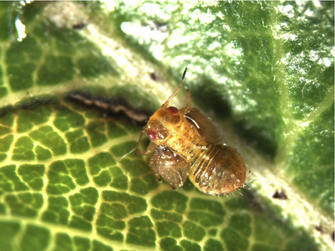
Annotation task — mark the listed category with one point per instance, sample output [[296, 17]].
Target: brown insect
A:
[[186, 144]]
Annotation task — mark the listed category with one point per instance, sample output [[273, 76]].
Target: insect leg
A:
[[151, 148], [188, 100], [138, 143], [187, 108]]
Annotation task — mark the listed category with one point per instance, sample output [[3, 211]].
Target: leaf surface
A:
[[263, 71]]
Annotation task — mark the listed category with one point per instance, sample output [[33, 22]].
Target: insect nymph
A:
[[185, 144]]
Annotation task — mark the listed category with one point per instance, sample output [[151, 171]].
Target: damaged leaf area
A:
[[78, 81]]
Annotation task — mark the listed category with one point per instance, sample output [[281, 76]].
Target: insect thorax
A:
[[185, 141]]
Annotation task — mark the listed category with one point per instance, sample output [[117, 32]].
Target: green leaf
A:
[[263, 71]]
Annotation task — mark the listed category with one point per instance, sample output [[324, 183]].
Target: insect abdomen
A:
[[217, 170]]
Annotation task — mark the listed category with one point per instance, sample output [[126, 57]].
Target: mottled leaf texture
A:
[[79, 79]]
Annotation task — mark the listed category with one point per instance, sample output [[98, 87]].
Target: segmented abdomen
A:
[[217, 170]]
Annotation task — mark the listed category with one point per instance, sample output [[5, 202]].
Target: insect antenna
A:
[[175, 93], [164, 105], [138, 143]]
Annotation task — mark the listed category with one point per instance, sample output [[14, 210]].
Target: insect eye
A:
[[172, 110], [152, 135]]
